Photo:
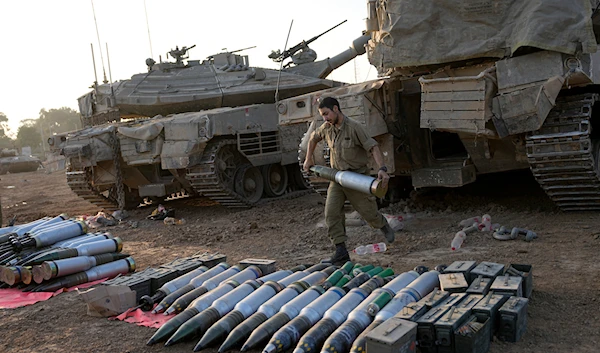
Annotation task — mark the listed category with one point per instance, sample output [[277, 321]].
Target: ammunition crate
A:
[[453, 299], [463, 267], [480, 285], [266, 266], [434, 298], [524, 271], [470, 301], [160, 276], [508, 285], [393, 336], [487, 269], [426, 329], [487, 308], [412, 312], [474, 336], [513, 319], [445, 327], [136, 282], [453, 282]]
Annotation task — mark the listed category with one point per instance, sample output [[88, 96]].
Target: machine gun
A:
[[178, 54], [225, 51], [278, 56]]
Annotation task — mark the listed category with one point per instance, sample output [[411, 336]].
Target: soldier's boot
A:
[[388, 232], [340, 256]]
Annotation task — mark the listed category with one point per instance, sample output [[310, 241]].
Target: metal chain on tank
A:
[[116, 151]]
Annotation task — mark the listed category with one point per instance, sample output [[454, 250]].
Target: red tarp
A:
[[15, 298], [143, 318]]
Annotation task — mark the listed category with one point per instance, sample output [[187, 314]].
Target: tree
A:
[[28, 136], [3, 124], [5, 141], [56, 121]]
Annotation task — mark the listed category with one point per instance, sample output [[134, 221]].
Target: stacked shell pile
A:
[[303, 307], [53, 253]]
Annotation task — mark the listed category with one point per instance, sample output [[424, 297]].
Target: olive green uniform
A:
[[348, 146]]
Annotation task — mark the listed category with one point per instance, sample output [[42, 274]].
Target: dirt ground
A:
[[563, 313]]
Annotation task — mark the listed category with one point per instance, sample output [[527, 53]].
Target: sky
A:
[[45, 53]]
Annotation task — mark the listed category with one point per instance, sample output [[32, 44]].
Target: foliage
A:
[[56, 121], [29, 136]]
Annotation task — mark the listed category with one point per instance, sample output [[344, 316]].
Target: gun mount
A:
[[300, 52], [179, 54]]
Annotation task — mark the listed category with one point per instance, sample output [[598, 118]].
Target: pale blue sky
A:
[[45, 45]]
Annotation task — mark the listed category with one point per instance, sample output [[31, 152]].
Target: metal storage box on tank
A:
[[470, 301], [473, 336], [488, 308], [513, 319], [434, 298], [426, 329], [393, 336], [266, 266], [525, 271], [463, 267], [460, 104], [480, 285], [453, 282], [445, 326], [412, 312], [508, 285], [487, 269]]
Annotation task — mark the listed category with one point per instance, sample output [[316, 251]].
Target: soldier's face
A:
[[330, 116]]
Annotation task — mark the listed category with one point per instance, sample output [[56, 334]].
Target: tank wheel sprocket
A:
[[276, 179], [249, 183]]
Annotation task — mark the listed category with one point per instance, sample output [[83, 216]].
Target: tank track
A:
[[564, 158], [78, 182], [205, 181]]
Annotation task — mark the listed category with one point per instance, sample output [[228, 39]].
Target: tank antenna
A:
[[94, 62], [108, 61], [148, 27], [99, 45], [281, 64]]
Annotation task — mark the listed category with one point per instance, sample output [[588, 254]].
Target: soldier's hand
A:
[[308, 162], [384, 177]]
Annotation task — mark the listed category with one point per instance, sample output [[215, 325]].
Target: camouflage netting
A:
[[428, 32]]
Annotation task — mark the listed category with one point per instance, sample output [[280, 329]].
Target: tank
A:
[[12, 162], [468, 88], [213, 130]]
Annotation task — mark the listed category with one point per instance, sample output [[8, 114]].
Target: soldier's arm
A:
[[382, 173], [312, 144]]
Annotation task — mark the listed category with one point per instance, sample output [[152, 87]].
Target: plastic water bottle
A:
[[458, 240], [370, 249], [469, 221]]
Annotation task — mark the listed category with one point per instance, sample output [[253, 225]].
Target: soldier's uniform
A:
[[349, 145]]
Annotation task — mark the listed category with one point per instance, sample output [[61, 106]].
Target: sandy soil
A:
[[563, 313]]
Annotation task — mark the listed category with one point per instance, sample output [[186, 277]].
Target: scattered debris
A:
[[160, 213], [173, 221], [100, 219]]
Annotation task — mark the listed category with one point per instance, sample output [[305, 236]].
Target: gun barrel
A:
[[286, 54]]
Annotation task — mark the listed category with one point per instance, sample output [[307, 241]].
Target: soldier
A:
[[349, 144]]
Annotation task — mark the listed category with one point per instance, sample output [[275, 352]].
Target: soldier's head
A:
[[329, 108]]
